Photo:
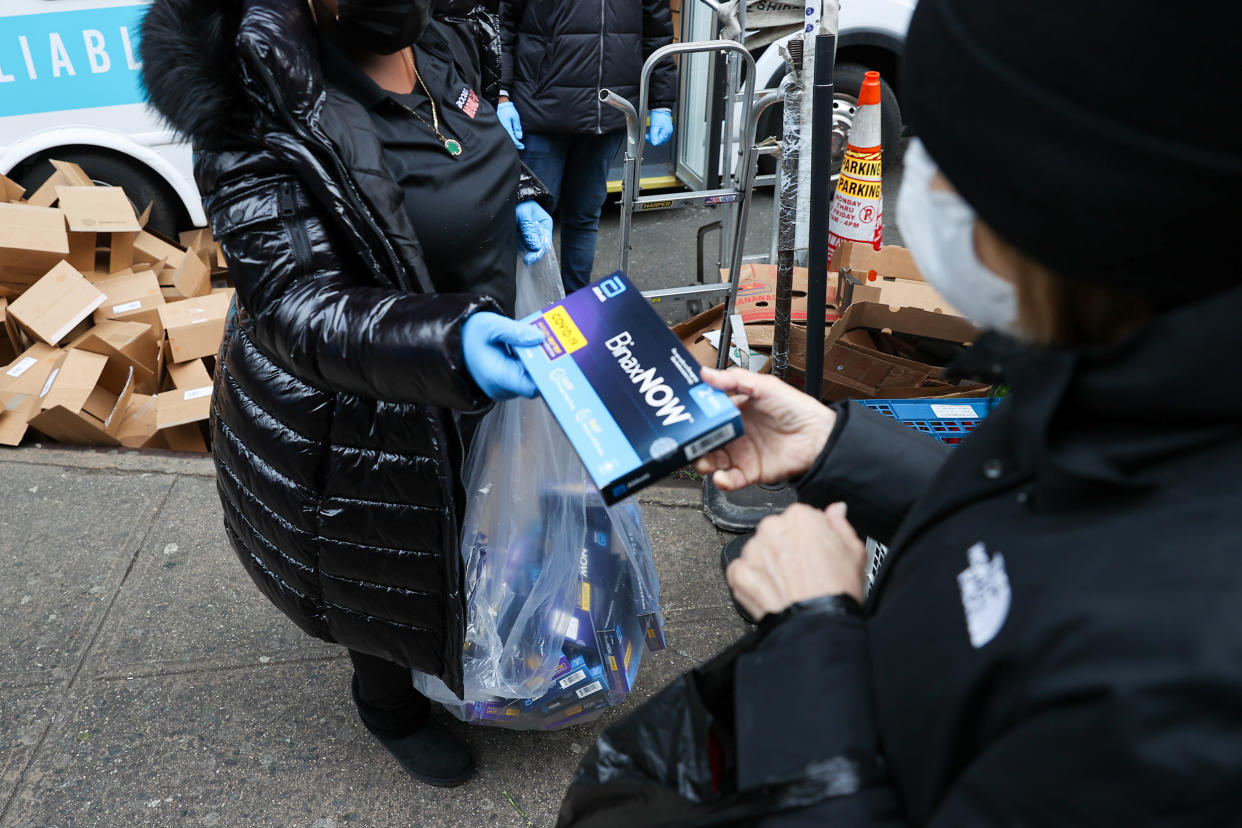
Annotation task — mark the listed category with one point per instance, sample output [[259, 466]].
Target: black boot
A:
[[399, 716], [729, 553], [432, 754]]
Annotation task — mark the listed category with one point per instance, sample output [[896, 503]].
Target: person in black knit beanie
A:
[[1054, 636]]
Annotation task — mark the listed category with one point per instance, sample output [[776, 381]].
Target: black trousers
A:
[[387, 702]]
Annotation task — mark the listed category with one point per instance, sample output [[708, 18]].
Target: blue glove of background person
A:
[[661, 128], [535, 225], [512, 122], [485, 340]]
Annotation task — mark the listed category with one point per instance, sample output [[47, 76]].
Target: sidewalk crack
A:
[[58, 710]]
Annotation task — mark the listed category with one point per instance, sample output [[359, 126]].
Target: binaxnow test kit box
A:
[[624, 389]]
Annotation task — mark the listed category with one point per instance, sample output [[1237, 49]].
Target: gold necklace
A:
[[451, 145]]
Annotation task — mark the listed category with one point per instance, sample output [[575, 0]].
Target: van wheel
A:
[[142, 186], [847, 81]]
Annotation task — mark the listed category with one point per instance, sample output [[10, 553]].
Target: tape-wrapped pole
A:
[[821, 18], [787, 219]]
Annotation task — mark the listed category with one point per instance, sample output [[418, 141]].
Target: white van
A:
[[872, 35], [70, 89]]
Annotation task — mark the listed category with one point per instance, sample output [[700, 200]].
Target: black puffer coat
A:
[[334, 436], [1055, 637], [558, 55]]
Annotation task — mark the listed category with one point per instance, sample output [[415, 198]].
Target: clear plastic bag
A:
[[562, 592]]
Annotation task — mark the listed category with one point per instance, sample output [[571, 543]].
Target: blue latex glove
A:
[[661, 128], [535, 226], [486, 339], [512, 122]]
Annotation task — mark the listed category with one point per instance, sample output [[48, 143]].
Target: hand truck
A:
[[736, 198]]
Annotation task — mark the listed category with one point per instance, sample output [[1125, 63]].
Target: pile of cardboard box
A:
[[108, 330], [890, 334]]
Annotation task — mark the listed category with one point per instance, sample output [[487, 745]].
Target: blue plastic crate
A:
[[949, 421]]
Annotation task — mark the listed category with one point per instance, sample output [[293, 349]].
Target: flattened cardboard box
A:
[[132, 341], [200, 242], [97, 210], [19, 339], [756, 295], [854, 368], [693, 331], [32, 241], [15, 416], [138, 428], [188, 437], [690, 333], [56, 304], [73, 379], [74, 409], [181, 406], [888, 276], [891, 261], [189, 279], [182, 274], [67, 174], [20, 384], [128, 295], [94, 210], [8, 350], [189, 375], [131, 348], [195, 327], [20, 376], [153, 249], [10, 190]]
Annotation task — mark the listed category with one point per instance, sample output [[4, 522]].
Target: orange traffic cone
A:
[[858, 207]]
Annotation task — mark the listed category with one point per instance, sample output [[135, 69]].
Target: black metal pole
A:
[[821, 180]]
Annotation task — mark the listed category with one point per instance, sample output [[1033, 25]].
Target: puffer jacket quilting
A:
[[332, 420]]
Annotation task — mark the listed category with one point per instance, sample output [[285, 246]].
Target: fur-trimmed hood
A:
[[191, 67]]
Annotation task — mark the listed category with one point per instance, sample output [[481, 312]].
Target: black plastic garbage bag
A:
[[673, 762]]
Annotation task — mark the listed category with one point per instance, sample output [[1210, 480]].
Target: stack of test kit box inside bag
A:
[[615, 617], [108, 330]]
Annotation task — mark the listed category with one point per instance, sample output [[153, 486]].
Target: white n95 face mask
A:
[[938, 227]]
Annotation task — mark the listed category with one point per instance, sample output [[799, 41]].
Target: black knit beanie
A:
[[1101, 139]]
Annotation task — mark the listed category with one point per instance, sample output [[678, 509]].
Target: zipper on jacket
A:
[[288, 202], [599, 84], [351, 193]]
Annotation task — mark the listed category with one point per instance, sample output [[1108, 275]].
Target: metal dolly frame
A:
[[737, 198]]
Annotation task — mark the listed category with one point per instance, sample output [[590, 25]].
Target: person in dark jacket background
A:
[[1055, 636], [557, 56], [367, 200]]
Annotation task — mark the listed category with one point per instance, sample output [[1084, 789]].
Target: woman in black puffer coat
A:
[[368, 257]]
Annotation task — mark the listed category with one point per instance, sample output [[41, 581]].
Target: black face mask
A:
[[383, 26]]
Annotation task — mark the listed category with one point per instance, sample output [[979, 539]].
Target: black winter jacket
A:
[[558, 55], [1055, 637], [332, 421]]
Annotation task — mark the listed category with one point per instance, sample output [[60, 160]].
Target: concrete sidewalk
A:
[[145, 681]]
